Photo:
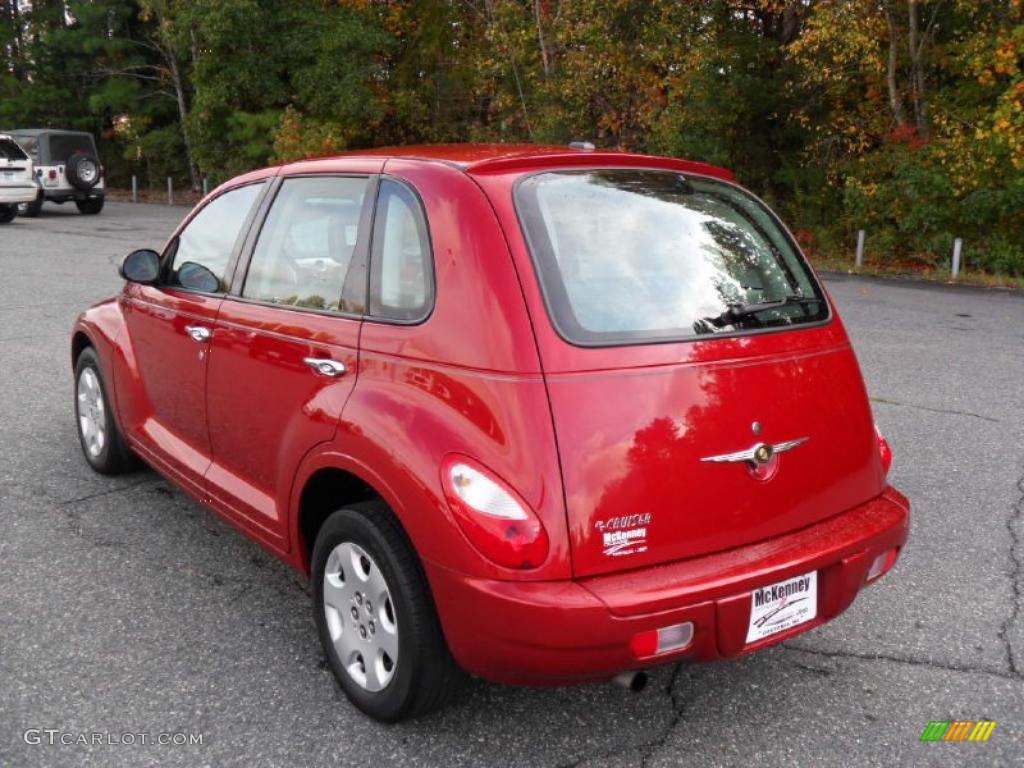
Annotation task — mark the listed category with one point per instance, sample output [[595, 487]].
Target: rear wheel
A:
[[376, 617], [7, 213], [31, 210], [101, 440], [90, 206]]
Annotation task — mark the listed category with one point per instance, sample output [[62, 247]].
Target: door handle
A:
[[325, 366], [198, 332]]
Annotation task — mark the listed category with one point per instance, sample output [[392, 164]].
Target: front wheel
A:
[[7, 213], [102, 443], [90, 206], [376, 618]]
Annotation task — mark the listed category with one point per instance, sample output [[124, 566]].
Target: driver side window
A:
[[203, 249]]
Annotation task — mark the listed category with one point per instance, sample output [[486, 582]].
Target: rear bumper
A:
[[65, 194], [12, 195], [540, 633]]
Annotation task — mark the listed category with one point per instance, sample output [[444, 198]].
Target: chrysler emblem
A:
[[761, 458], [759, 453]]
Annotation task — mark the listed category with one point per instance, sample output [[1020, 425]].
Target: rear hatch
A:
[[703, 394], [15, 165]]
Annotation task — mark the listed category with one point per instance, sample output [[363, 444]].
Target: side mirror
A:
[[142, 266]]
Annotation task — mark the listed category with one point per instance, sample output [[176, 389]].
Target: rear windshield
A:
[[63, 146], [9, 150], [635, 256]]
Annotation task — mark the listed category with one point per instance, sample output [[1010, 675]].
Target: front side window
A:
[[202, 251], [306, 246], [634, 256], [401, 275]]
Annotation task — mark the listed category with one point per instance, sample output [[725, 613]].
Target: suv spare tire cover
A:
[[83, 171]]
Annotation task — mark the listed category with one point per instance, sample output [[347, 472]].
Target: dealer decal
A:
[[624, 534], [783, 605]]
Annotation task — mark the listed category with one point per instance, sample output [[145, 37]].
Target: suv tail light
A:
[[496, 521], [884, 450]]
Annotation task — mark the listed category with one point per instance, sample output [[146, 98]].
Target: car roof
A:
[[40, 131], [481, 158]]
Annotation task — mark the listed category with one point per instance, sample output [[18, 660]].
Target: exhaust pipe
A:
[[634, 680]]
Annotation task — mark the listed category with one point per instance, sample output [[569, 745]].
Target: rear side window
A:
[[30, 144], [209, 239], [632, 256], [306, 246], [401, 272], [9, 150]]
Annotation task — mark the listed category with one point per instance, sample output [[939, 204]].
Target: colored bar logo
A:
[[958, 730]]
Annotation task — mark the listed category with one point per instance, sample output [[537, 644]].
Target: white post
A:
[[170, 191], [860, 248], [958, 246], [206, 186], [135, 188]]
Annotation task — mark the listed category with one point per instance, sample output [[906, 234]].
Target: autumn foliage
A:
[[901, 117]]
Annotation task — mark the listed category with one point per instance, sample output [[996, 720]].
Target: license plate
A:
[[8, 174], [783, 605]]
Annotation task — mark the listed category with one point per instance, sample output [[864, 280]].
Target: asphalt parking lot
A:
[[126, 608]]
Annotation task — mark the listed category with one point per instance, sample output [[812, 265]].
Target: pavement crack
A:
[[108, 492], [1016, 568], [647, 749], [966, 669], [678, 706], [949, 411]]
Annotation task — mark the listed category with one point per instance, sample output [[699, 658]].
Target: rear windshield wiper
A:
[[739, 311], [761, 306]]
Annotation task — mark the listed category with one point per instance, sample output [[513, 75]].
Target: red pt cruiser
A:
[[541, 414]]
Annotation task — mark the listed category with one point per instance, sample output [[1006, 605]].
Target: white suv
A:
[[67, 168], [17, 182]]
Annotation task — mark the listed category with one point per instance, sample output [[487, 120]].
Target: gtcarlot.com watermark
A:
[[55, 737]]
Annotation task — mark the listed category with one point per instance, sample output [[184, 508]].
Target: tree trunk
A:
[[544, 56], [179, 93], [917, 68], [895, 99]]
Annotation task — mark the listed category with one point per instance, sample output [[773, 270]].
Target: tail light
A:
[[655, 642], [496, 521], [884, 450], [881, 565]]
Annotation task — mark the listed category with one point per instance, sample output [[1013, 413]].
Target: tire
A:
[[82, 171], [90, 206], [108, 453], [424, 676], [7, 213], [33, 209]]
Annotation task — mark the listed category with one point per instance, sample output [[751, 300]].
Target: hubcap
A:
[[87, 170], [360, 616], [92, 423]]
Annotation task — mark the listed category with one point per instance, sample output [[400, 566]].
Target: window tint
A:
[[63, 146], [306, 246], [401, 278], [633, 256], [210, 237], [11, 151]]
